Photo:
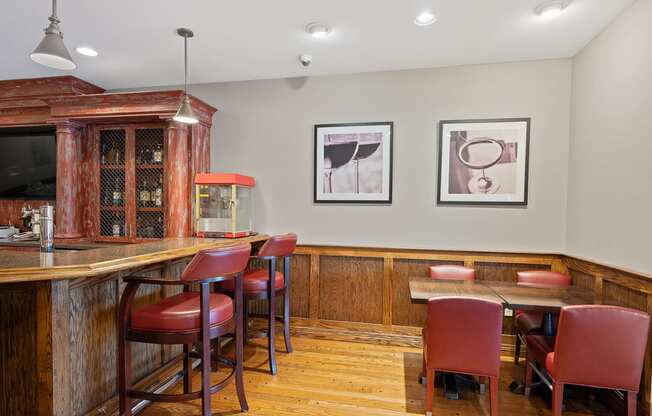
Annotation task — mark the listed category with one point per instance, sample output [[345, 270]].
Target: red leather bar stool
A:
[[451, 272], [463, 336], [187, 318], [257, 286], [526, 323], [597, 346]]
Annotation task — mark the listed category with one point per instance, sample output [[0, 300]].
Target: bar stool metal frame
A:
[[203, 336]]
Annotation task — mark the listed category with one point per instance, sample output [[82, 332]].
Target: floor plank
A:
[[336, 378]]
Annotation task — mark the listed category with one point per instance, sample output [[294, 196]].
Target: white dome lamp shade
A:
[[185, 113], [52, 52]]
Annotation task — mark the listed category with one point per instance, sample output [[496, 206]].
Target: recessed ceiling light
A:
[[318, 30], [551, 9], [425, 18], [86, 50]]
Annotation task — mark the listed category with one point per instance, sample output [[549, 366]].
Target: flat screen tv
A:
[[28, 163]]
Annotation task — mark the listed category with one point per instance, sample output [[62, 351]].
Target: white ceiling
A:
[[253, 39]]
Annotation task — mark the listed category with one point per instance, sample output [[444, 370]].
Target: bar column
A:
[[177, 192], [68, 201]]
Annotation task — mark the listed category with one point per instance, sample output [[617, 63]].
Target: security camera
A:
[[305, 60]]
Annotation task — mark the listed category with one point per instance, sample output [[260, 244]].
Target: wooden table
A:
[[423, 288], [547, 300], [510, 294]]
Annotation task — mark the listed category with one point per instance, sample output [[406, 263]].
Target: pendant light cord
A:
[[185, 60], [54, 17]]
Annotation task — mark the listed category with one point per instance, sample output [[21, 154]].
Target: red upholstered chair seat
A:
[[529, 322], [256, 281], [538, 347], [181, 313], [550, 364]]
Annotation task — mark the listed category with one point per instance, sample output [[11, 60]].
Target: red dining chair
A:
[[597, 346], [256, 286], [462, 336], [451, 272], [526, 323], [187, 318]]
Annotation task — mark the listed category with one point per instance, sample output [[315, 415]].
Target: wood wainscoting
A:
[[362, 294]]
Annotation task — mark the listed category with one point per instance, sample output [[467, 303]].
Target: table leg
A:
[[548, 324], [451, 390]]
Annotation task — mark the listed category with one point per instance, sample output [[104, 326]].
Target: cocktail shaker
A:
[[47, 228]]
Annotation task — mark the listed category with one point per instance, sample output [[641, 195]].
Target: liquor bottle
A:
[[158, 193], [145, 196], [117, 194], [147, 155], [110, 155], [103, 153], [116, 228], [107, 196], [157, 155], [159, 226]]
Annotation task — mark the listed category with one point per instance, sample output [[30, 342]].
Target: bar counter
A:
[[58, 326]]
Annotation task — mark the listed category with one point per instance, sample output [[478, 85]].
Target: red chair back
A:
[[279, 246], [451, 272], [463, 335], [601, 346], [217, 262], [542, 278]]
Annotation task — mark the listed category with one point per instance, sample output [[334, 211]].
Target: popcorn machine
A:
[[224, 205]]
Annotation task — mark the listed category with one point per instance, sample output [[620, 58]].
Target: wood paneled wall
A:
[[371, 285]]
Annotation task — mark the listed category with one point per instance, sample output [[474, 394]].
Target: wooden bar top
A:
[[29, 266]]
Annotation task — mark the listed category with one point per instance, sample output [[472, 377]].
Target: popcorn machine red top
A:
[[224, 205]]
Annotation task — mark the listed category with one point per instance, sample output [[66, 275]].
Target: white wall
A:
[[610, 187], [265, 129]]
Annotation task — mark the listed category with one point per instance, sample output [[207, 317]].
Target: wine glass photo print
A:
[[483, 162], [353, 163]]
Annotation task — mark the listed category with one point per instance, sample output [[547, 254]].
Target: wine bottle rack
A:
[[112, 183], [150, 197], [132, 183]]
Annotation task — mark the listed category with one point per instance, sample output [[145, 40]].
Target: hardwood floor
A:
[[336, 378]]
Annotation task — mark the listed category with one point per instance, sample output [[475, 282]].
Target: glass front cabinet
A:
[[131, 179]]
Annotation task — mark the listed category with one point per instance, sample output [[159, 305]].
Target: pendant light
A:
[[185, 113], [51, 51]]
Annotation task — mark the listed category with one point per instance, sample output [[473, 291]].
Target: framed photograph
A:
[[353, 163], [483, 162]]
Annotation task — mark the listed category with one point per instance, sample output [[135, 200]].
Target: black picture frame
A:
[[524, 202], [386, 201]]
